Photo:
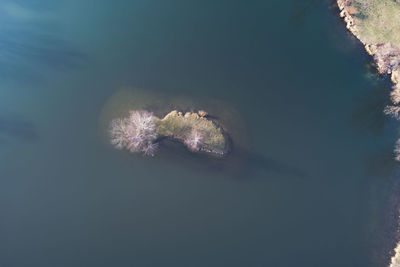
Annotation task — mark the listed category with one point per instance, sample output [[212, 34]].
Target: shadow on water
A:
[[368, 118], [18, 129], [387, 235], [256, 162], [40, 48], [239, 163], [381, 163], [30, 39], [367, 115], [300, 9]]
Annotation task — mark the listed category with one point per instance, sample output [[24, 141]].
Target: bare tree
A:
[[387, 57], [150, 149], [119, 132], [194, 140], [137, 133], [392, 111]]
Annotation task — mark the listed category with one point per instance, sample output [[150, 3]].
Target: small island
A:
[[142, 131]]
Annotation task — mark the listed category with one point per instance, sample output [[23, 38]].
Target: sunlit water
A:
[[311, 183]]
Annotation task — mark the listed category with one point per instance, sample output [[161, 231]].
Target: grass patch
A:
[[377, 21], [180, 126]]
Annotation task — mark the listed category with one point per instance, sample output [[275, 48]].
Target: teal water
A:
[[316, 180]]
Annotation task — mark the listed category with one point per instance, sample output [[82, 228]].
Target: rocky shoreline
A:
[[384, 65], [386, 249], [391, 246], [386, 55]]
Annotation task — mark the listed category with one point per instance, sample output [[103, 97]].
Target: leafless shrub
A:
[[392, 111], [194, 140], [395, 95], [150, 149], [387, 57], [119, 132], [137, 133]]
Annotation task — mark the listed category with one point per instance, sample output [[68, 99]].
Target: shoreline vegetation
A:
[[376, 24]]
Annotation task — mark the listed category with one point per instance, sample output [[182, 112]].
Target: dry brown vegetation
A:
[[377, 21]]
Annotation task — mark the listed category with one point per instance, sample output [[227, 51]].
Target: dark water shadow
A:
[[45, 49], [368, 119], [30, 44], [240, 163], [25, 52], [18, 129], [300, 9], [367, 115], [257, 163], [387, 236], [381, 163]]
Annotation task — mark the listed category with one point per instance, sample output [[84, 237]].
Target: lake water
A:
[[313, 185]]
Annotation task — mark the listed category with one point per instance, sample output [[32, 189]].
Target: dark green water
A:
[[313, 186]]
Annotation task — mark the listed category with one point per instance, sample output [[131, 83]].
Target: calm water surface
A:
[[316, 178]]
